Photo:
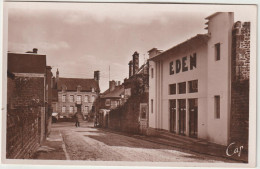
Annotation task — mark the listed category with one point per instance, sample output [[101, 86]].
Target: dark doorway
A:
[[193, 120], [173, 116], [182, 116]]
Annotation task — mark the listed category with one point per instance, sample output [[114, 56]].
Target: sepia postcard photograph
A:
[[129, 84]]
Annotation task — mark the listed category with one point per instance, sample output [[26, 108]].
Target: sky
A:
[[79, 38]]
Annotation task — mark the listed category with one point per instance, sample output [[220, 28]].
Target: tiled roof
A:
[[26, 63], [72, 84], [116, 93]]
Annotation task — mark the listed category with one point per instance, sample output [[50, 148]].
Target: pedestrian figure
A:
[[77, 116]]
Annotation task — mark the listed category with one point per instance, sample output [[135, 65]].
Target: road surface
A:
[[88, 143]]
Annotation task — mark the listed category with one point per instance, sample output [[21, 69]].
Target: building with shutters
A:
[[192, 86], [75, 94]]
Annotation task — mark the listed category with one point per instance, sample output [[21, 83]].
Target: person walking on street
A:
[[77, 116]]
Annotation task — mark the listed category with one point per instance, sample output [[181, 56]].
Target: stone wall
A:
[[25, 102], [126, 118], [240, 84]]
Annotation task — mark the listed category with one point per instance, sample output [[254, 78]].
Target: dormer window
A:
[[92, 89], [63, 88], [79, 88]]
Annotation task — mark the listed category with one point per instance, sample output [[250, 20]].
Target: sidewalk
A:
[[52, 148], [188, 144]]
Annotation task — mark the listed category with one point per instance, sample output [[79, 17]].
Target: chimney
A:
[[130, 68], [53, 82], [35, 50], [154, 52], [57, 75], [118, 83], [97, 75], [135, 63], [112, 85]]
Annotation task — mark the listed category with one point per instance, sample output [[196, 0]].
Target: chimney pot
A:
[[35, 50]]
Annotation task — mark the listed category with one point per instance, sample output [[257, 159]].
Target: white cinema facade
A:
[[189, 84]]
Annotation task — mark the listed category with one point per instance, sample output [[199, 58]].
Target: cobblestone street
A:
[[92, 144]]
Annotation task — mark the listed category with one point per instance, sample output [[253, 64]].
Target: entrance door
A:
[[193, 120], [182, 116], [173, 116]]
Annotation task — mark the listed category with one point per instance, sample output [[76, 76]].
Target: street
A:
[[94, 144]]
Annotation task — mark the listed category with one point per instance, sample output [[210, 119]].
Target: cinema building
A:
[[192, 85]]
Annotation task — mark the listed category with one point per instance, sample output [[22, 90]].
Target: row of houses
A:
[[198, 88]]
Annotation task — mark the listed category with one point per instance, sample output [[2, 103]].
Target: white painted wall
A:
[[199, 73], [152, 93], [219, 74]]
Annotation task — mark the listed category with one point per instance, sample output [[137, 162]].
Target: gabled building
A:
[[75, 94], [113, 96]]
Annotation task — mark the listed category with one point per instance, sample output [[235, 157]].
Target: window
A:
[[107, 102], [217, 107], [78, 98], [143, 112], [71, 98], [193, 86], [63, 98], [93, 98], [92, 89], [182, 87], [151, 72], [79, 88], [63, 109], [217, 51], [71, 109], [172, 89], [152, 106], [86, 109], [86, 98]]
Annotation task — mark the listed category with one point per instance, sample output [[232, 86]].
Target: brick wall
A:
[[25, 101], [240, 84]]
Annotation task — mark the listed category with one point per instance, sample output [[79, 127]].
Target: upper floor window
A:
[[151, 72], [107, 103], [193, 86], [79, 98], [93, 98], [71, 98], [151, 105], [63, 98], [217, 51], [86, 98], [172, 89], [182, 87]]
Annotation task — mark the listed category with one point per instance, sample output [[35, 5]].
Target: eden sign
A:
[[182, 65]]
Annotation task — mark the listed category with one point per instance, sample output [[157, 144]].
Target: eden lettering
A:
[[182, 65]]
